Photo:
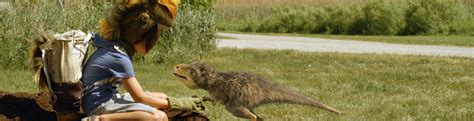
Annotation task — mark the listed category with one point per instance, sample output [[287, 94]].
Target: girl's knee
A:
[[160, 115]]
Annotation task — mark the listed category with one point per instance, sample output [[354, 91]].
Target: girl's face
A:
[[140, 48], [148, 42]]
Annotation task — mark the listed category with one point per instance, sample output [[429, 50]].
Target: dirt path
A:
[[342, 46]]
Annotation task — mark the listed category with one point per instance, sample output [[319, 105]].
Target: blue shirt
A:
[[105, 62]]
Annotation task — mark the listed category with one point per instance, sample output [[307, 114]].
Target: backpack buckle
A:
[[76, 104]]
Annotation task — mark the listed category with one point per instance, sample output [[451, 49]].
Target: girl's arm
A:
[[133, 87]]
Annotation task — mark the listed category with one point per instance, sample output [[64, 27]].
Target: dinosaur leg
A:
[[258, 117], [243, 112]]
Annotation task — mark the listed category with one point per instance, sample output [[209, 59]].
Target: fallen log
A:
[[39, 107]]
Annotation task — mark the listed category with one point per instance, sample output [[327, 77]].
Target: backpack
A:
[[58, 60]]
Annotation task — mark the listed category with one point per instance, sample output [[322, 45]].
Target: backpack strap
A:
[[111, 80], [48, 79], [87, 39], [120, 49], [104, 81]]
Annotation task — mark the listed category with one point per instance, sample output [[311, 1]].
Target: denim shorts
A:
[[121, 103]]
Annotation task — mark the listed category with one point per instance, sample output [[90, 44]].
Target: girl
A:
[[131, 28]]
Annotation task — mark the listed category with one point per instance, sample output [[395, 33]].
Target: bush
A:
[[331, 20], [338, 19], [434, 17], [380, 18], [290, 20], [24, 22], [192, 36], [371, 17], [251, 24], [199, 4]]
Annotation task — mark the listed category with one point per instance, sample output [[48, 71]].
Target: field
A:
[[253, 3], [367, 17], [363, 86], [192, 36]]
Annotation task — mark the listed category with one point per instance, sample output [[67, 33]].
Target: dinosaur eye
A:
[[192, 72]]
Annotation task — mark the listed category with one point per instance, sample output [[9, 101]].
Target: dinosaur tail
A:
[[286, 95]]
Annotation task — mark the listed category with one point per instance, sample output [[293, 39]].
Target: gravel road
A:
[[341, 46]]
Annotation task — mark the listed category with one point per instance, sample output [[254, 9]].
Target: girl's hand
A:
[[189, 103]]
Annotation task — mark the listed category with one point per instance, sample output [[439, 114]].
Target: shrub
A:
[[463, 23], [433, 17], [368, 17], [339, 19], [199, 4], [290, 20], [251, 24], [380, 18], [192, 37], [24, 22]]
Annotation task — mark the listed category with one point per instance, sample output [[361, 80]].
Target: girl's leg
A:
[[158, 115]]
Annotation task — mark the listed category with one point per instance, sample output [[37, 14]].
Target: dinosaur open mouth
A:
[[179, 76]]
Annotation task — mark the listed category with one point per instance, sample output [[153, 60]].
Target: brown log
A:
[[38, 107]]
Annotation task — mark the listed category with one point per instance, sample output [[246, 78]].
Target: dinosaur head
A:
[[194, 75]]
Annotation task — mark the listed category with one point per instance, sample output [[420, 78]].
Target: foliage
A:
[[380, 18], [339, 19], [434, 17], [199, 4], [23, 22], [290, 20], [365, 17], [250, 25], [332, 20], [193, 35]]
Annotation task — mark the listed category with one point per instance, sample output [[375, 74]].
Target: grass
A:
[[192, 35], [258, 3], [452, 40], [25, 22], [364, 86], [225, 37], [464, 41], [17, 81]]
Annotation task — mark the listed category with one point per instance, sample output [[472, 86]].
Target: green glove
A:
[[190, 104]]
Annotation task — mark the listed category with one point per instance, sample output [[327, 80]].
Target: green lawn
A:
[[452, 40], [363, 86]]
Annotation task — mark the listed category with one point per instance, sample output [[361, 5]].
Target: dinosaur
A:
[[240, 92]]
